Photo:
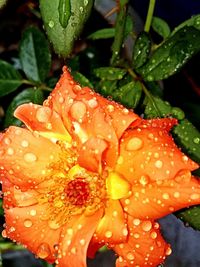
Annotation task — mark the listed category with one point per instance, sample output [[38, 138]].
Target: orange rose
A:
[[86, 172]]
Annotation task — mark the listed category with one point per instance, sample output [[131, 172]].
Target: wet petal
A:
[[112, 227], [150, 152], [14, 197], [75, 239], [26, 157], [144, 247], [90, 154], [87, 114], [163, 197], [26, 226], [43, 120]]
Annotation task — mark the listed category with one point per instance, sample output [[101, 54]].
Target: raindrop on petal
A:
[[134, 143], [30, 157], [147, 226], [43, 251], [28, 223]]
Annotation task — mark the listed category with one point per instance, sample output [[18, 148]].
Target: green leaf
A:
[[161, 27], [35, 55], [64, 10], [157, 104], [129, 94], [79, 77], [193, 21], [2, 3], [1, 208], [107, 87], [10, 78], [128, 26], [189, 138], [191, 216], [141, 50], [170, 57], [63, 21], [110, 73], [102, 34], [119, 33], [28, 95]]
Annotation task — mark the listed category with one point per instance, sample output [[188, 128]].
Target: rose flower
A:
[[86, 172]]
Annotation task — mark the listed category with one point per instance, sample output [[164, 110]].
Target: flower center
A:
[[77, 191]]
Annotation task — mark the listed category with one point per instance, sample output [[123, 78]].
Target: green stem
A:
[[40, 86], [146, 92], [29, 82], [149, 15]]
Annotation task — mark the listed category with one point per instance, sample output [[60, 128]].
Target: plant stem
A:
[[149, 15], [146, 92]]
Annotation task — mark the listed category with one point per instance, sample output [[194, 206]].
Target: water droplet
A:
[[92, 103], [30, 157], [134, 143], [196, 140], [78, 110], [136, 235], [4, 234], [28, 223], [136, 222], [130, 256], [70, 231], [168, 251], [110, 108], [158, 164], [33, 212], [85, 2], [184, 176], [77, 88], [43, 251], [82, 242], [7, 141], [176, 194], [24, 143], [194, 196], [144, 180], [165, 196], [120, 160], [53, 225], [43, 114], [108, 234], [154, 235], [146, 226], [51, 24], [10, 151], [125, 232], [81, 9], [73, 250]]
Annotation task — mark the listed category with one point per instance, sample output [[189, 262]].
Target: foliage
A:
[[29, 76]]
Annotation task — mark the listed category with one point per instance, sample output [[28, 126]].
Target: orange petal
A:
[[151, 152], [26, 226], [75, 239], [42, 119], [158, 199], [25, 156], [144, 247], [87, 114], [90, 154], [14, 197], [112, 227]]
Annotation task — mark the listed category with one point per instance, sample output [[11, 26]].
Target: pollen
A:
[[77, 192]]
